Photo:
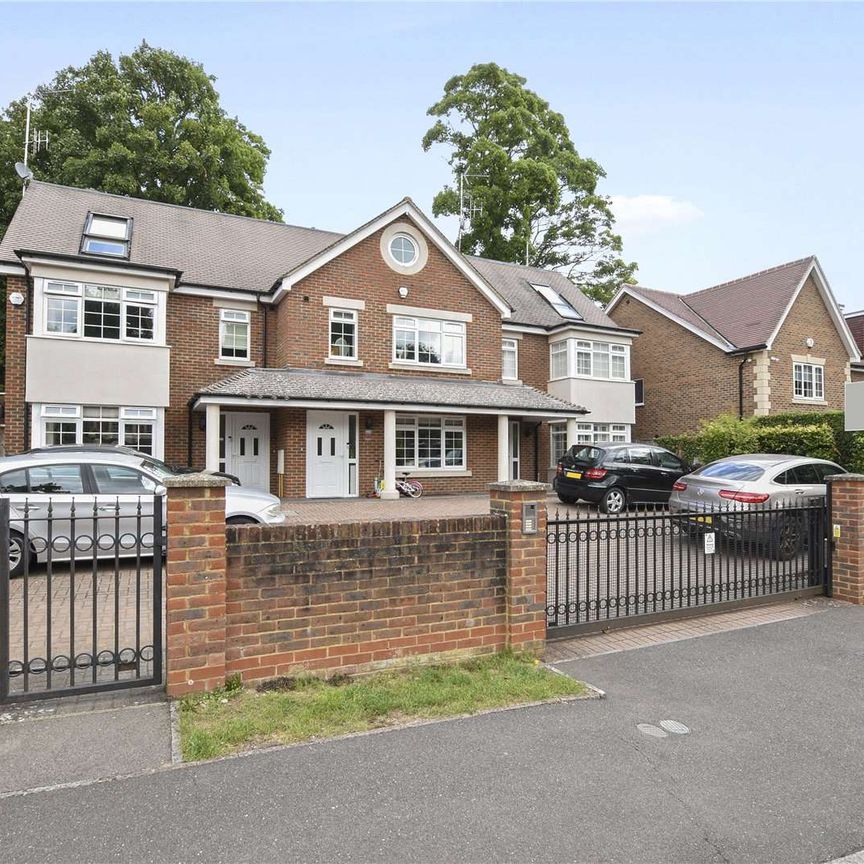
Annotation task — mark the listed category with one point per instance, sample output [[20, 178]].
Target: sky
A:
[[731, 134]]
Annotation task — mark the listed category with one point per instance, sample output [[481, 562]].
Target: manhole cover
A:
[[674, 727], [650, 729]]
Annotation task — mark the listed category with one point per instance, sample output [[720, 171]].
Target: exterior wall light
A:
[[403, 292], [16, 298]]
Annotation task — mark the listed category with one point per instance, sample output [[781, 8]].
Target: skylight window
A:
[[557, 302], [107, 235]]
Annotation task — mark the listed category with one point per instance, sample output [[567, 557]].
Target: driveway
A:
[[770, 771]]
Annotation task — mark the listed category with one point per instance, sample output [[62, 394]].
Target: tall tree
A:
[[148, 125], [534, 199]]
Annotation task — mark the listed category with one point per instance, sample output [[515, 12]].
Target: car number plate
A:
[[573, 475], [708, 520]]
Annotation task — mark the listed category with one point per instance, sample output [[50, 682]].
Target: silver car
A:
[[756, 497], [103, 492]]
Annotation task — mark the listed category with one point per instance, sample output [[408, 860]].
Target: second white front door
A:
[[331, 454], [247, 448]]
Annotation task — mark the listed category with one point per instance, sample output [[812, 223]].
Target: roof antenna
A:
[[467, 207], [40, 139], [23, 172]]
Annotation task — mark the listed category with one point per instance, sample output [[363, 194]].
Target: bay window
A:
[[428, 342], [808, 381], [589, 359], [430, 442], [99, 311], [558, 359], [100, 425]]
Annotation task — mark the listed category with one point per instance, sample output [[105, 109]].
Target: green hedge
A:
[[818, 435]]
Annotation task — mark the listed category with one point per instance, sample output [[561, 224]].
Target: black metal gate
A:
[[605, 571], [80, 595]]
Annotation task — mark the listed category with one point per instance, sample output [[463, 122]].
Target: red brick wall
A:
[[301, 336], [534, 371], [17, 327], [847, 512], [808, 318], [193, 335], [357, 596]]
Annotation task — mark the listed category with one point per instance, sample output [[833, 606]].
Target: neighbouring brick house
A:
[[770, 342], [303, 361], [855, 322]]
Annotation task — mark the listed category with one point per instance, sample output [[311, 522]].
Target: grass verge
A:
[[306, 708]]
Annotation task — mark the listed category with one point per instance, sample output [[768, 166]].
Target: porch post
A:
[[389, 493], [571, 432], [211, 461], [503, 448]]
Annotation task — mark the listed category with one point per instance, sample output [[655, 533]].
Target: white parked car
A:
[[112, 488]]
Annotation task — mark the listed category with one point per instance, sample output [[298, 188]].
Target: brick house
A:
[[855, 322], [770, 342], [303, 361]]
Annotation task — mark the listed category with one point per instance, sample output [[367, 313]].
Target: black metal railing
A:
[[601, 569], [80, 595]]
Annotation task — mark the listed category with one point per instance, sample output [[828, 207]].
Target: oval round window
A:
[[403, 249]]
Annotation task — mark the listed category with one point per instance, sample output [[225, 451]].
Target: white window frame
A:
[[77, 291], [510, 346], [75, 415], [817, 381], [454, 330], [555, 431], [555, 353], [342, 316], [402, 235], [235, 317], [412, 422]]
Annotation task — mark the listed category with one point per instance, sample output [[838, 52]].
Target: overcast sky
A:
[[731, 134]]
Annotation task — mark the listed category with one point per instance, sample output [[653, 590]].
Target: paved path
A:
[[770, 772]]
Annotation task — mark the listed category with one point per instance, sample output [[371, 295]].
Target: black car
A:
[[615, 475]]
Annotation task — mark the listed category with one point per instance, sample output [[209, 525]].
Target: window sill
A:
[[436, 472], [800, 401], [516, 382], [428, 367], [342, 361], [225, 361]]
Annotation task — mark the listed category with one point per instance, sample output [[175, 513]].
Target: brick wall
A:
[[687, 379], [847, 513], [193, 335], [361, 595], [17, 327], [808, 318], [302, 332]]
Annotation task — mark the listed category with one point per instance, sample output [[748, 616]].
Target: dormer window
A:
[[107, 235], [557, 302]]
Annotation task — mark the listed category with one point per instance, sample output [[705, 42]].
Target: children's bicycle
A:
[[405, 486]]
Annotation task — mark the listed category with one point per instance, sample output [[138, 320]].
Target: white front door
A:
[[515, 427], [328, 455], [247, 448]]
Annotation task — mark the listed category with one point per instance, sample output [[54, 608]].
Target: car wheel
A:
[[570, 500], [18, 555], [614, 501], [788, 539], [241, 520]]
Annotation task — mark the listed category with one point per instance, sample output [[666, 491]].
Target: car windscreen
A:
[[732, 471], [157, 468]]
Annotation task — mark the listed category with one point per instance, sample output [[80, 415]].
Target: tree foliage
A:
[[535, 199], [149, 125]]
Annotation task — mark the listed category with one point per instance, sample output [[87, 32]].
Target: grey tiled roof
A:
[[744, 312], [211, 249], [239, 253], [301, 385], [513, 282]]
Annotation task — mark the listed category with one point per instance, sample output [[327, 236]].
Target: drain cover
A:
[[650, 729], [674, 727]]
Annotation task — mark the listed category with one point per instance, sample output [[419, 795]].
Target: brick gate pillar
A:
[[195, 584], [846, 526], [524, 505]]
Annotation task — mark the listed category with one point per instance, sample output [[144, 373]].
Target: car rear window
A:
[[583, 453], [732, 471]]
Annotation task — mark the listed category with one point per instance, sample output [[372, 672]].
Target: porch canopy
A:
[[371, 391]]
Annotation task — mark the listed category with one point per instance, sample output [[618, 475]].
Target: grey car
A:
[[755, 497], [113, 487]]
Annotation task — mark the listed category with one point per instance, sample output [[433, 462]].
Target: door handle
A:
[[799, 491]]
